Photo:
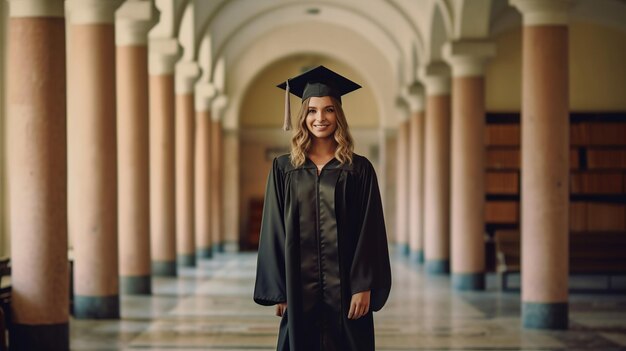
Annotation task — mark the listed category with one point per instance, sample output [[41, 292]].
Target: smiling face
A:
[[321, 118]]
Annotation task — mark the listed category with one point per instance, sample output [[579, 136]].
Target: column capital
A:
[[413, 94], [468, 57], [187, 73], [436, 78], [390, 132], [133, 20], [404, 115], [218, 105], [36, 8], [543, 12], [91, 11], [163, 54], [205, 93]]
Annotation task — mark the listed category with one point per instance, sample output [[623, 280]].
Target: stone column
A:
[[545, 164], [203, 172], [217, 168], [162, 56], [5, 241], [231, 186], [216, 186], [402, 193], [37, 174], [437, 169], [186, 74], [92, 158], [133, 20], [416, 176], [202, 180], [467, 208]]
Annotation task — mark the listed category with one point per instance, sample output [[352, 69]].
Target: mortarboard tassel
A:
[[287, 122]]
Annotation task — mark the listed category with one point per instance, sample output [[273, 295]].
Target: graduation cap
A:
[[318, 82]]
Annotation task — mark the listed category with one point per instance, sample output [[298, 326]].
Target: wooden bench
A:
[[5, 301], [597, 253]]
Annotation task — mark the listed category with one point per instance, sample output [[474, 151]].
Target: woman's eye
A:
[[311, 111], [330, 110]]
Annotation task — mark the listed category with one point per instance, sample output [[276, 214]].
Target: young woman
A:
[[323, 257]]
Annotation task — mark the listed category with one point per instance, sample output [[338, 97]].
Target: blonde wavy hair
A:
[[302, 139]]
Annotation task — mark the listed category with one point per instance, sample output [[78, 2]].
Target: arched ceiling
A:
[[235, 24], [311, 38], [465, 15], [400, 35], [386, 41], [408, 32], [439, 30]]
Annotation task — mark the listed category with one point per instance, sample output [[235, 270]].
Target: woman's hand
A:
[[360, 305], [281, 308]]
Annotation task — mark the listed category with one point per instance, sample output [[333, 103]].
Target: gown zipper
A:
[[319, 250], [318, 232]]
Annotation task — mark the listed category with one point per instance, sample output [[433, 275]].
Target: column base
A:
[[137, 285], [186, 260], [96, 307], [51, 337], [231, 247], [403, 249], [204, 253], [438, 267], [164, 268], [417, 256], [468, 281], [536, 315], [218, 248]]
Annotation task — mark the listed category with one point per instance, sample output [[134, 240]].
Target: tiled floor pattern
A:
[[210, 308]]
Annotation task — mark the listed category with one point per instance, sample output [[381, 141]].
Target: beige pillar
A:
[[92, 161], [163, 54], [202, 177], [416, 177], [37, 175], [402, 193], [133, 20], [231, 187], [217, 168], [202, 185], [545, 164], [467, 187], [186, 73], [4, 234], [437, 170]]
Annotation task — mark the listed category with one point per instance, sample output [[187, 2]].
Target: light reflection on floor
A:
[[210, 308]]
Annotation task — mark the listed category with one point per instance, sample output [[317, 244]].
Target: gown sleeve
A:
[[371, 269], [269, 288]]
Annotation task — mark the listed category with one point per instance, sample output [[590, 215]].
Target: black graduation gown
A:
[[323, 239]]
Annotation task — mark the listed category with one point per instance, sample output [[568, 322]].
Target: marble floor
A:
[[210, 308]]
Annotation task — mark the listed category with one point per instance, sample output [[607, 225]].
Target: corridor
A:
[[210, 308]]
